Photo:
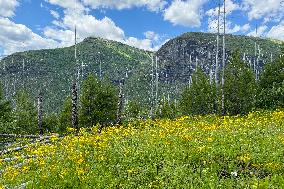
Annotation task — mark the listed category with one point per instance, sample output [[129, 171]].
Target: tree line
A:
[[99, 101]]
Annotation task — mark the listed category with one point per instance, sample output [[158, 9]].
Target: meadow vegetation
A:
[[188, 152]]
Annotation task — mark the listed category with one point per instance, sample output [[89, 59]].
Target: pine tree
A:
[[25, 113], [166, 109], [50, 123], [5, 108], [99, 102], [133, 109], [65, 117], [239, 86], [270, 86], [199, 98]]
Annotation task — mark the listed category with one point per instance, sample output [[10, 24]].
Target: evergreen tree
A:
[[5, 108], [199, 98], [99, 101], [65, 117], [25, 113], [50, 123], [166, 109], [271, 83], [133, 109], [239, 86]]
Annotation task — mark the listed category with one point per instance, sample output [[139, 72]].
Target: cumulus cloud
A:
[[257, 9], [185, 13], [17, 37], [54, 14], [277, 32], [72, 5], [231, 28], [87, 25], [231, 6], [152, 35], [261, 31], [7, 7], [152, 5]]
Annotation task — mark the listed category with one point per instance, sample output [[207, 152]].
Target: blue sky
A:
[[147, 24]]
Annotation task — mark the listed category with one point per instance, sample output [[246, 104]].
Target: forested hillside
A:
[[52, 71]]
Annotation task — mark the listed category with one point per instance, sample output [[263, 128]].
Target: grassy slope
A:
[[198, 152]]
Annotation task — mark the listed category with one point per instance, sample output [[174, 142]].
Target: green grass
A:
[[189, 152]]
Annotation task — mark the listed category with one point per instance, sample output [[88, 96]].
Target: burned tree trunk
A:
[[39, 107], [120, 102], [75, 106]]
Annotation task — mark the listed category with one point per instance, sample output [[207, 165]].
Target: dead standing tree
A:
[[39, 107], [120, 102], [75, 106]]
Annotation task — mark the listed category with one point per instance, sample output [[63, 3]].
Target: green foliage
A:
[[233, 42], [25, 113], [5, 108], [133, 109], [271, 85], [6, 114], [99, 101], [65, 117], [205, 152], [200, 97], [239, 86], [54, 68], [50, 123], [166, 109]]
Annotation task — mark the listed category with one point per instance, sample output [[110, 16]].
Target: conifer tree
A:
[[199, 98], [239, 86], [5, 108], [271, 85], [65, 117], [133, 109], [25, 113], [99, 100], [166, 109]]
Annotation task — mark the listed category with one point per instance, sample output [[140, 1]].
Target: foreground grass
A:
[[189, 152]]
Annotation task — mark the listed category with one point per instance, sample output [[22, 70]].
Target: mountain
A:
[[180, 56], [52, 71]]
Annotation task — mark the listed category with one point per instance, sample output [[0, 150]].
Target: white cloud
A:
[[142, 44], [54, 14], [231, 6], [71, 5], [7, 7], [261, 31], [88, 25], [231, 28], [277, 32], [17, 37], [269, 9], [186, 13], [152, 35], [64, 37], [152, 5]]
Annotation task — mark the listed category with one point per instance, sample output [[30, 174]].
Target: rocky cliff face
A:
[[180, 57]]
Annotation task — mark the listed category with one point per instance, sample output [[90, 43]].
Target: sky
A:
[[146, 24]]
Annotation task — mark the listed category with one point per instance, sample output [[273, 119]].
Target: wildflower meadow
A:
[[188, 152]]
